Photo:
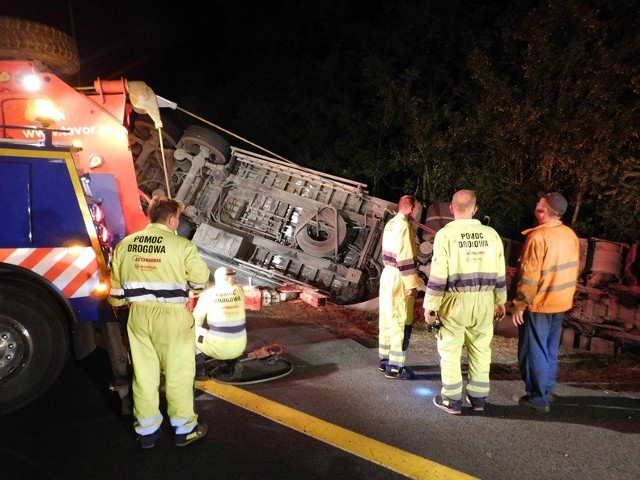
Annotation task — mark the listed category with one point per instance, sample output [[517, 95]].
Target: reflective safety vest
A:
[[156, 265]]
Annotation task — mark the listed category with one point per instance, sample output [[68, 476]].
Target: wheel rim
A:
[[320, 233], [14, 342]]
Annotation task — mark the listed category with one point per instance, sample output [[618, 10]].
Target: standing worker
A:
[[153, 271], [399, 282], [222, 307], [545, 286], [466, 291]]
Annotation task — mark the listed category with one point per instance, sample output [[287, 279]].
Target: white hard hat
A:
[[222, 273]]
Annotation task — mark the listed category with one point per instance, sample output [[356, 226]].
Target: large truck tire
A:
[[47, 47], [321, 233], [144, 143], [34, 345], [144, 130], [196, 137]]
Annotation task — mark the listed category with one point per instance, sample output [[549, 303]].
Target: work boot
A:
[[149, 441], [399, 373], [201, 367], [198, 432], [478, 404], [454, 407], [527, 402], [201, 372], [382, 364]]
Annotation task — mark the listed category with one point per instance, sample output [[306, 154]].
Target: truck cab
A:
[[70, 193]]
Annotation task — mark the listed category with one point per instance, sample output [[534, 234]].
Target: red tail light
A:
[[104, 236]]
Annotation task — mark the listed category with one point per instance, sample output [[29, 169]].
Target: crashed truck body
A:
[[276, 222], [271, 220]]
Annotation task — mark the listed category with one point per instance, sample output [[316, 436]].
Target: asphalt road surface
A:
[[335, 416]]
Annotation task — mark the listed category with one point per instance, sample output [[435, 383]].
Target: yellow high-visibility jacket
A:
[[548, 269], [222, 307], [399, 249], [156, 265], [468, 257]]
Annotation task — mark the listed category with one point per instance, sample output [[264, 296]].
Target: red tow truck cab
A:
[[68, 194]]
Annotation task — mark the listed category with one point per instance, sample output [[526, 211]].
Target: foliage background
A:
[[507, 97], [504, 97]]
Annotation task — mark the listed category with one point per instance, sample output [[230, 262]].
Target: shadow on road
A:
[[619, 414]]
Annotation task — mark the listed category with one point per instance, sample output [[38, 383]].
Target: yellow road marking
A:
[[405, 463]]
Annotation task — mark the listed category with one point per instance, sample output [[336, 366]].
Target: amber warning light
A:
[[43, 111]]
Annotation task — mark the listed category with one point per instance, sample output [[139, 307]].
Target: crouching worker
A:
[[223, 336]]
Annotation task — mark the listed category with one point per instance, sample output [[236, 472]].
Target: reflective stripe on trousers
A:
[[467, 320], [395, 310], [162, 339]]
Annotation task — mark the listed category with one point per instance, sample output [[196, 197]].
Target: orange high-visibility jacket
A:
[[548, 270]]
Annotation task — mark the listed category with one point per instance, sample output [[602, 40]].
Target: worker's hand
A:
[[517, 316], [192, 300], [430, 317], [499, 311], [412, 292], [432, 321]]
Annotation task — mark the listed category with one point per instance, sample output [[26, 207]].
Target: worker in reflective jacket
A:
[[222, 308], [466, 290], [399, 284], [545, 285], [153, 271]]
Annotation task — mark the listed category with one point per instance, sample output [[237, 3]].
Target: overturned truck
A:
[[277, 223], [271, 220]]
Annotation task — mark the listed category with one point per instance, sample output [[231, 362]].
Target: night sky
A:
[[139, 40], [201, 44], [216, 55], [375, 90], [195, 50]]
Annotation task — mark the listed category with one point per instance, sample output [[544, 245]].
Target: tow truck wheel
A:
[[46, 46], [34, 345]]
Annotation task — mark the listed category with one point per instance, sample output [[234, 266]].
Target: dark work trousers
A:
[[538, 345]]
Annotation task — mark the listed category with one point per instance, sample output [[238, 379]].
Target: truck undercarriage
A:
[[273, 220]]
